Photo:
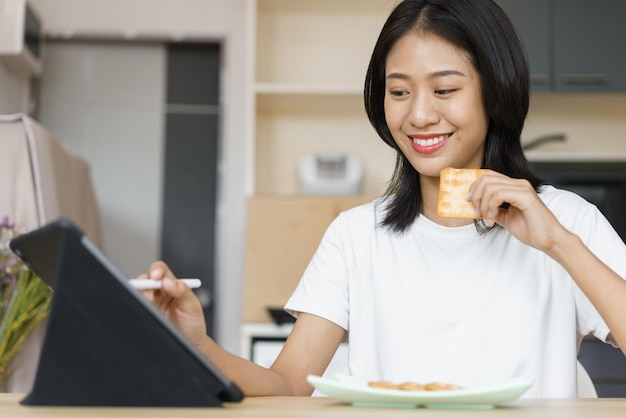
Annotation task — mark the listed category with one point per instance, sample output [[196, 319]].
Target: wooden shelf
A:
[[307, 88], [303, 89]]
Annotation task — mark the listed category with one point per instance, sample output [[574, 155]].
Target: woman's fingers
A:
[[185, 299], [158, 270], [494, 193]]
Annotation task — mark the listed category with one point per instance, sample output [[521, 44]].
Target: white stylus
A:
[[156, 284]]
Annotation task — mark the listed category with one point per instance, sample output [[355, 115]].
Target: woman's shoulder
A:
[[570, 208], [561, 199]]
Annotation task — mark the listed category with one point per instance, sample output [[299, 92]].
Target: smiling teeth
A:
[[429, 142]]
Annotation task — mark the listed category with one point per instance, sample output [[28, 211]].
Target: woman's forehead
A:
[[427, 52]]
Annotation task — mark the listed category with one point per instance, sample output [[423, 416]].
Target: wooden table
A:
[[276, 407]]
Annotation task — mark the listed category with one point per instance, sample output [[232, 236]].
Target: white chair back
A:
[[586, 388]]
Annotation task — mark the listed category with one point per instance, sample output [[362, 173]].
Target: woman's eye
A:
[[443, 92], [398, 93]]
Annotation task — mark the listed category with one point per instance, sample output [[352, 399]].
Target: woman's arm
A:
[[605, 289], [308, 350], [529, 220]]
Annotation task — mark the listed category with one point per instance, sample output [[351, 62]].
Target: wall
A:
[[112, 115], [14, 88], [222, 20], [14, 91], [593, 123]]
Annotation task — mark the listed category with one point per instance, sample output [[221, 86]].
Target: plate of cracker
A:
[[369, 393]]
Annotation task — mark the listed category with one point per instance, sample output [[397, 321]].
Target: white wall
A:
[[106, 101], [14, 91], [14, 88], [222, 20]]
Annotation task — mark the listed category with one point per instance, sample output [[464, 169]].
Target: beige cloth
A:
[[40, 180]]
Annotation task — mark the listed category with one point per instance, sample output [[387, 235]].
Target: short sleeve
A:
[[601, 239], [323, 288]]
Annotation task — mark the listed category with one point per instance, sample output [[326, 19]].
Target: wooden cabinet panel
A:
[[283, 233]]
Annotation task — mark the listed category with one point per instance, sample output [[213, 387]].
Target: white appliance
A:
[[330, 174]]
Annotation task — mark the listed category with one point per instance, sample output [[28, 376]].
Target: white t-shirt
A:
[[448, 304]]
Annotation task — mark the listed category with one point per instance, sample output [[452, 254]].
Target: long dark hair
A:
[[483, 30]]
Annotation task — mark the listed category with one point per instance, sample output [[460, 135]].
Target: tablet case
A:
[[105, 345]]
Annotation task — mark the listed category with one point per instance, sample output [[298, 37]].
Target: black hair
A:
[[482, 29]]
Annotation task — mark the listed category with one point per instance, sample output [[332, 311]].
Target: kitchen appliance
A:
[[330, 174]]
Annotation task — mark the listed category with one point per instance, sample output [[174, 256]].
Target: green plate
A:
[[355, 391]]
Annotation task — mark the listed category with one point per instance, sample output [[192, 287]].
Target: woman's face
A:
[[433, 104]]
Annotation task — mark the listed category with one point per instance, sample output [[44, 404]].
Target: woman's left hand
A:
[[526, 217]]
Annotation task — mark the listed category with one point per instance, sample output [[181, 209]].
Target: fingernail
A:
[[156, 273]]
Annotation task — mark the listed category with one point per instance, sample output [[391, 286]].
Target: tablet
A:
[[105, 343]]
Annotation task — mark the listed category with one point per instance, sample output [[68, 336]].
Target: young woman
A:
[[424, 298]]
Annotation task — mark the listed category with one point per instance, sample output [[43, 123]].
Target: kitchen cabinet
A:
[[532, 22], [589, 45], [573, 45]]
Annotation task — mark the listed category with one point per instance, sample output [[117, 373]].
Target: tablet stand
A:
[[104, 347]]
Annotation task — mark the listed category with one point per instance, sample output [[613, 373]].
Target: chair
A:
[[586, 388], [40, 180]]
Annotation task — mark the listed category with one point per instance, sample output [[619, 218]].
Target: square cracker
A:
[[453, 187]]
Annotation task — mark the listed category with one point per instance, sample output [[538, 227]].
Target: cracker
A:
[[383, 384], [411, 386], [453, 187], [441, 386]]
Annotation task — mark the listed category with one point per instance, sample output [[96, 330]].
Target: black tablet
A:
[[105, 344]]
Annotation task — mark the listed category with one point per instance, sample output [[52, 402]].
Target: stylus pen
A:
[[156, 284]]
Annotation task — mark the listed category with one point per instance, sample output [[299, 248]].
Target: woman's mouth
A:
[[427, 144]]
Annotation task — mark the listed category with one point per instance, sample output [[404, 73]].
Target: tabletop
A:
[[276, 407]]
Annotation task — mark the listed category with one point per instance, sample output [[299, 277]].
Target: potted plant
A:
[[24, 301]]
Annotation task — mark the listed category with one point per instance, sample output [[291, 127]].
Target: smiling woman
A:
[[417, 296]]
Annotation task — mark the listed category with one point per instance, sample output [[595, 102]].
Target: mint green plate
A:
[[355, 391]]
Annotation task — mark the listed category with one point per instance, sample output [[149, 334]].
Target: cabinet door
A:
[[589, 45], [532, 22]]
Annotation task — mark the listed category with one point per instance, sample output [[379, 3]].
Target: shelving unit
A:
[[309, 62], [310, 59]]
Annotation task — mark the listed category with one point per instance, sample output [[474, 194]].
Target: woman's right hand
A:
[[178, 303]]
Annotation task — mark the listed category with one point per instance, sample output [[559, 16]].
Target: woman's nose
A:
[[423, 111]]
